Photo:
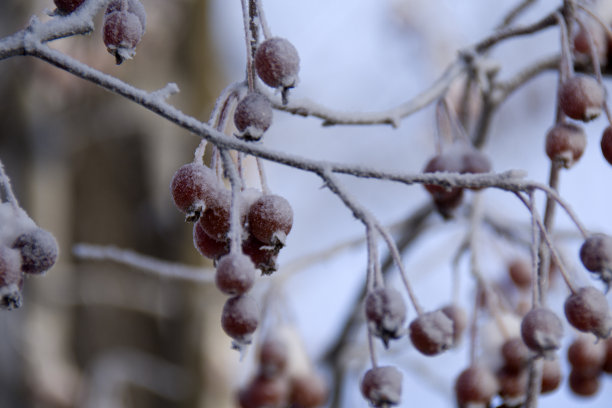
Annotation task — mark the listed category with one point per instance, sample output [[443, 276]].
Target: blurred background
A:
[[94, 168]]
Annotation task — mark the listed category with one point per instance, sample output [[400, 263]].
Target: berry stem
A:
[[5, 183], [262, 176], [235, 232], [535, 256], [262, 20], [249, 14], [566, 67]]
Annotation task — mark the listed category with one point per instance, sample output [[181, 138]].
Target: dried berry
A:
[[308, 391], [235, 273], [386, 313], [541, 330], [588, 311], [382, 386], [67, 6], [253, 116], [277, 63], [270, 219], [565, 142], [38, 250], [475, 385], [581, 97], [11, 279], [432, 333], [239, 318]]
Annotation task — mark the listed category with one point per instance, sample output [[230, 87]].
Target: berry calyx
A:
[[588, 311], [235, 273], [565, 142], [432, 333], [253, 116], [382, 386], [386, 313], [38, 249], [277, 63], [541, 330], [581, 97], [123, 27]]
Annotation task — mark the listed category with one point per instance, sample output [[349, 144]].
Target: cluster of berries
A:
[[588, 359], [123, 26], [25, 249], [276, 385]]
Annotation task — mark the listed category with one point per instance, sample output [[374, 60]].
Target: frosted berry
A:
[[588, 311], [475, 161], [273, 356], [208, 246], [263, 392], [235, 273], [38, 250], [67, 6], [270, 219], [386, 313], [432, 333], [253, 116], [239, 318], [123, 29], [446, 199], [194, 186], [308, 391], [541, 330], [565, 142], [606, 144], [476, 385], [596, 256], [215, 219], [515, 353], [277, 63], [586, 355], [551, 375], [382, 386], [584, 384], [11, 279], [519, 271], [581, 97], [459, 319], [262, 255]]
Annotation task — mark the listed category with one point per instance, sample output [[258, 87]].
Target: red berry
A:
[[581, 97], [475, 161], [11, 279], [308, 391], [515, 353], [270, 219], [606, 144], [541, 330], [263, 392], [215, 219], [253, 116], [584, 384], [588, 311], [475, 385], [551, 375], [123, 28], [382, 386], [239, 318], [565, 142], [432, 333], [386, 313], [67, 6], [596, 256], [512, 385], [194, 187], [235, 273], [586, 354], [520, 273], [38, 250], [277, 63], [273, 356], [208, 246]]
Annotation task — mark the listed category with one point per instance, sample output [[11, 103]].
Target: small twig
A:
[[5, 184], [515, 12], [262, 20]]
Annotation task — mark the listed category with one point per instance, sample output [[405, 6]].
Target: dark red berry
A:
[[586, 355], [551, 375], [584, 384], [475, 161], [11, 279], [606, 144], [277, 63], [459, 319], [382, 386], [308, 391], [240, 317], [235, 273], [581, 97], [512, 385], [596, 256], [588, 311], [67, 6], [133, 6], [541, 330], [432, 333], [253, 116], [264, 392], [598, 36], [215, 219], [262, 255], [386, 313], [38, 250], [515, 353], [565, 142], [446, 199], [273, 356], [519, 271], [123, 29], [475, 385], [208, 246], [270, 219], [195, 186]]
